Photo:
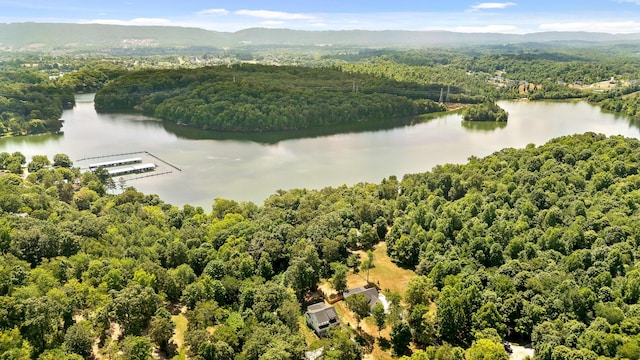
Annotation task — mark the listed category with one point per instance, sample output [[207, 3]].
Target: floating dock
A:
[[133, 169], [115, 163]]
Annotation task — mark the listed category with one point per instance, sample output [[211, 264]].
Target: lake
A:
[[243, 169]]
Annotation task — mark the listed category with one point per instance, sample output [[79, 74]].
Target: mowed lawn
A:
[[387, 275]]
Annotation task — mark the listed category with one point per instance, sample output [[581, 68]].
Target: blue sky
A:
[[614, 16]]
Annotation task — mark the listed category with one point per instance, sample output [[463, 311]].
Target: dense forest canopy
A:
[[532, 244], [628, 105], [258, 97], [30, 103]]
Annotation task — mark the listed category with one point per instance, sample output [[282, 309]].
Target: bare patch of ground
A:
[[521, 352]]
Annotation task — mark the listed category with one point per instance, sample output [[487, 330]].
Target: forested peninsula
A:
[[29, 103], [537, 244], [265, 98]]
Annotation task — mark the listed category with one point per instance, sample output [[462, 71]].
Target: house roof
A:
[[370, 293], [323, 313]]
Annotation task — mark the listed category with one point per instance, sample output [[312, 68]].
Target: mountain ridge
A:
[[30, 35]]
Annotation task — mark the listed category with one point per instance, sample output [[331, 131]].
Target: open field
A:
[[386, 274], [602, 85]]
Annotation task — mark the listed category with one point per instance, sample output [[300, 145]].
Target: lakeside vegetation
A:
[[536, 244], [484, 112]]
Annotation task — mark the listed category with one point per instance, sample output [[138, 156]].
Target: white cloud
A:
[[278, 15], [492, 5], [273, 22], [637, 2], [508, 29], [213, 12], [137, 21], [615, 27], [318, 25]]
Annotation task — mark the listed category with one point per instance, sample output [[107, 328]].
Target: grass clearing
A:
[[178, 337], [386, 274]]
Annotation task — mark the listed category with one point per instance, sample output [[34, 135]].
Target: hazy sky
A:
[[614, 16]]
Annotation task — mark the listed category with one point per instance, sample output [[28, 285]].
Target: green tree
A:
[[43, 324], [379, 316], [13, 166], [423, 324], [488, 316], [303, 273], [38, 162], [341, 347], [368, 237], [453, 315], [629, 350], [359, 305], [62, 160], [136, 348], [13, 346], [400, 338], [58, 353], [420, 290], [485, 349], [133, 307], [79, 339], [339, 279], [161, 329]]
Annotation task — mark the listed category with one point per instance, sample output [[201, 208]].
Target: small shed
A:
[[321, 317]]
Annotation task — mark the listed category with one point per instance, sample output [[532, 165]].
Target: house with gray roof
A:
[[370, 293], [321, 317]]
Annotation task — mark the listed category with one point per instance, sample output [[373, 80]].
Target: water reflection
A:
[[29, 140], [273, 137], [631, 120], [252, 166], [483, 126]]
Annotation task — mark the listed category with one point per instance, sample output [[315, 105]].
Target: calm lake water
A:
[[224, 165]]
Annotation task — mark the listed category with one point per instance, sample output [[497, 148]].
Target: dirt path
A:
[[95, 349]]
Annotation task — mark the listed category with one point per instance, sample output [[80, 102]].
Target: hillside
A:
[[264, 98], [49, 36], [534, 244]]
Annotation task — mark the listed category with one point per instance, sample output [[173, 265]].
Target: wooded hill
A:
[[29, 103], [535, 244], [262, 98], [71, 37]]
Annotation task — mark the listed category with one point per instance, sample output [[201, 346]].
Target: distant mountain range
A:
[[50, 36]]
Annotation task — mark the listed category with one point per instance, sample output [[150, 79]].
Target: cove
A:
[[246, 168]]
